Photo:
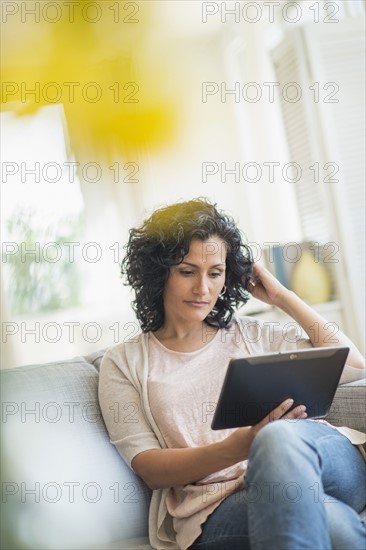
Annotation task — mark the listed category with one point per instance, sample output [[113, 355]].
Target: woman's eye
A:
[[187, 273]]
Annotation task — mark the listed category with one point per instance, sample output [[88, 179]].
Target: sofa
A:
[[64, 485]]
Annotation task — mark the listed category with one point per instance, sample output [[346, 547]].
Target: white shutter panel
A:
[[330, 132], [290, 64], [337, 54]]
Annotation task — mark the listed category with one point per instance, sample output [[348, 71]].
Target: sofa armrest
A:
[[349, 406]]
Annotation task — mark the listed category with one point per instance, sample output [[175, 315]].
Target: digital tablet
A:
[[255, 385]]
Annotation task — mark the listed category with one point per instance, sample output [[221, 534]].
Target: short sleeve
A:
[[122, 411]]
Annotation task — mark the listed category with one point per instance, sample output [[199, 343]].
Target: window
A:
[[42, 209]]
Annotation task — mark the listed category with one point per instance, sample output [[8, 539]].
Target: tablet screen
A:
[[255, 385]]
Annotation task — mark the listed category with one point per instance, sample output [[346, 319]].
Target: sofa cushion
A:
[[95, 358], [349, 406], [64, 484], [130, 544]]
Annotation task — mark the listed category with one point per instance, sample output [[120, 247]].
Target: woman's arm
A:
[[129, 431], [171, 467], [268, 289]]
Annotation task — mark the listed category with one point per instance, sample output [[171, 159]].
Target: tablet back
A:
[[254, 386]]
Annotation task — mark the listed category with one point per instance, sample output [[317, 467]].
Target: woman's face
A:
[[193, 286]]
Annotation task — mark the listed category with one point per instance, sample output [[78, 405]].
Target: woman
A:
[[286, 483]]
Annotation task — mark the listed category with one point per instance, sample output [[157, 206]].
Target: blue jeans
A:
[[304, 487]]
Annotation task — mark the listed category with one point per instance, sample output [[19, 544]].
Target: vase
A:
[[310, 280]]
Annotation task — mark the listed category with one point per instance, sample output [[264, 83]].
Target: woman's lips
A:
[[197, 304]]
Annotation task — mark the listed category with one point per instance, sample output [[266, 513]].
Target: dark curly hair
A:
[[163, 240]]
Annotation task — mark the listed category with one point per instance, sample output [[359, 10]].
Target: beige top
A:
[[183, 389], [130, 374]]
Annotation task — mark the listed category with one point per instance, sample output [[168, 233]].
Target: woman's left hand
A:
[[265, 287], [268, 289]]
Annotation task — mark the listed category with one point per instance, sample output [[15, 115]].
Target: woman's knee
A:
[[279, 433]]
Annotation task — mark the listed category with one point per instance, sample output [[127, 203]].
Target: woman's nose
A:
[[201, 285]]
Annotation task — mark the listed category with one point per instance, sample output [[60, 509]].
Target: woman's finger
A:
[[276, 413], [296, 413]]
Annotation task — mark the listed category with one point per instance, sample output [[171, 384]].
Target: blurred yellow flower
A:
[[96, 59]]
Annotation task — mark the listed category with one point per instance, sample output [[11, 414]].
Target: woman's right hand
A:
[[238, 443], [171, 467]]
